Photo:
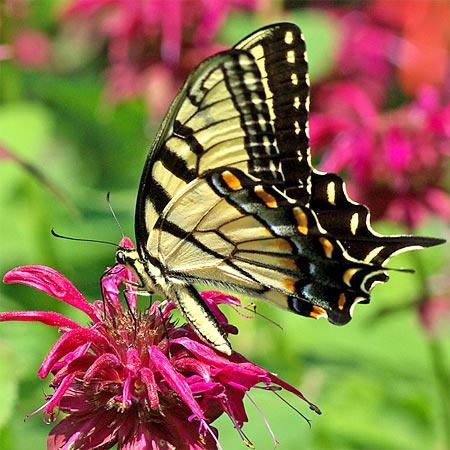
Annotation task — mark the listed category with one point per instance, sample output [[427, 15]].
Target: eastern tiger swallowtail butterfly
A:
[[228, 196]]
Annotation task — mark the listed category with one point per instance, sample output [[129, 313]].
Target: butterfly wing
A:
[[228, 196]]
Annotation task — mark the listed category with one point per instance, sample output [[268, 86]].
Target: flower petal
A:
[[295, 391], [104, 362], [148, 379], [48, 318], [176, 381], [202, 352], [52, 283], [68, 342], [84, 432]]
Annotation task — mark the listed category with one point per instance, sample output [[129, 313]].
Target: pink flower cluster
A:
[[395, 160], [152, 45], [136, 379], [381, 121]]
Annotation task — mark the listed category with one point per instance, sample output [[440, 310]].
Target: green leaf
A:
[[25, 129]]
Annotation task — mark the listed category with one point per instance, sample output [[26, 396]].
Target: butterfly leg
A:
[[197, 313]]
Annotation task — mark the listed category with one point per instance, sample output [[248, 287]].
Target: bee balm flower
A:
[[136, 379]]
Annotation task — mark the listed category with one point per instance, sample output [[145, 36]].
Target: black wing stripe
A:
[[177, 165], [280, 54], [185, 235]]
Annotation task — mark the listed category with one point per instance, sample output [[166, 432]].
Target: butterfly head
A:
[[146, 271], [126, 256], [129, 258]]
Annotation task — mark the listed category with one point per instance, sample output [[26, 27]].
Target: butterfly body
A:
[[150, 276], [228, 196]]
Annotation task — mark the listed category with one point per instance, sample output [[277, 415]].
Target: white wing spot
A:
[[294, 79], [354, 222], [307, 79], [297, 102], [291, 56], [266, 142], [258, 52], [289, 38], [307, 103], [297, 127], [373, 253], [331, 193], [249, 81], [244, 60], [256, 99]]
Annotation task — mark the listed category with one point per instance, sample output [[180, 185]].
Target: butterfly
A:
[[229, 198]]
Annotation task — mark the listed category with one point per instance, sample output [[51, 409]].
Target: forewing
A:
[[245, 108]]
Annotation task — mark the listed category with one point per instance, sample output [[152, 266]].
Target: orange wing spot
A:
[[282, 245], [327, 247], [302, 220], [348, 274], [318, 312], [289, 284], [268, 199], [232, 181], [341, 302]]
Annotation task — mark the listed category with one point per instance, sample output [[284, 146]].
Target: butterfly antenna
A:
[[252, 307], [108, 195], [69, 238]]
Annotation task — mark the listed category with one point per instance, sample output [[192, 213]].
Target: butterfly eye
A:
[[120, 257]]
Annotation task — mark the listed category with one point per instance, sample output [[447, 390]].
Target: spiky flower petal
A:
[[132, 378]]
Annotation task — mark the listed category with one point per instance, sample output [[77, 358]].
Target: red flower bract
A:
[[135, 378]]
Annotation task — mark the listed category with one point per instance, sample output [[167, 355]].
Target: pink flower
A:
[[367, 49], [385, 41], [142, 33], [136, 379], [422, 55], [394, 160], [434, 314], [31, 49]]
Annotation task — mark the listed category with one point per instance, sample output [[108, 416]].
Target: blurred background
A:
[[84, 85]]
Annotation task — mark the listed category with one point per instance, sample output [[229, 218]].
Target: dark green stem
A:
[[438, 356], [438, 359]]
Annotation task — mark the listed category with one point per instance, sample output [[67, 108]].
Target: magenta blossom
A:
[[395, 161], [136, 379], [150, 39]]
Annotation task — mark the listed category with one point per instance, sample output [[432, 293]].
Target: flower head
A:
[[133, 378], [149, 40], [384, 119], [395, 160]]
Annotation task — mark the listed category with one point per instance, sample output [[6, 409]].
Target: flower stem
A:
[[438, 356], [437, 359]]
